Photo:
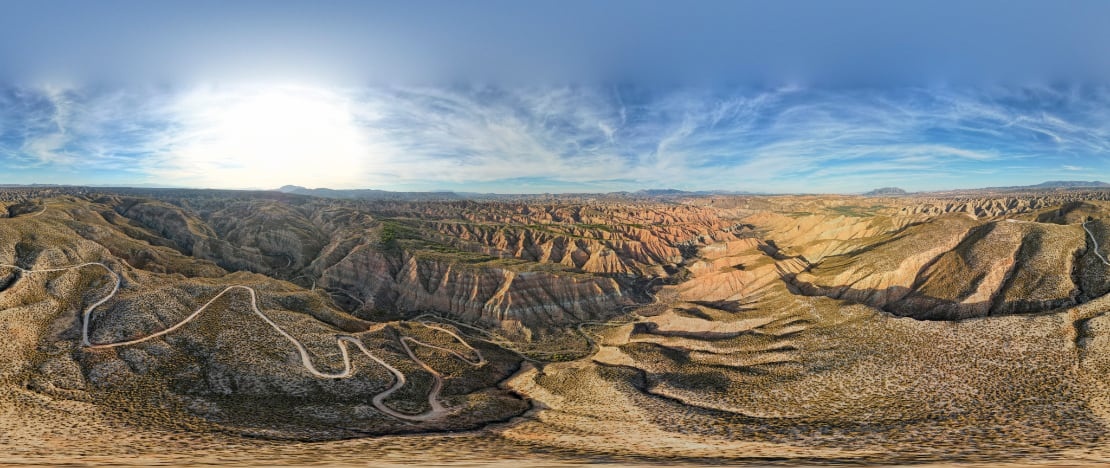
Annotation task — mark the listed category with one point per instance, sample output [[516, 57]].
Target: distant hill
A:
[[1049, 186], [374, 194], [885, 191], [1052, 185], [670, 193], [662, 192], [1069, 184], [369, 194]]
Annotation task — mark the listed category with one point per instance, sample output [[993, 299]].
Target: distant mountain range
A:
[[373, 194], [885, 191], [662, 193], [684, 193], [1050, 185], [370, 194], [665, 193], [1067, 184], [1044, 186]]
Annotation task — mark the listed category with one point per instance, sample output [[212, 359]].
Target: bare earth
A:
[[169, 327]]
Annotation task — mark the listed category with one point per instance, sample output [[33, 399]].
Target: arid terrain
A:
[[158, 326]]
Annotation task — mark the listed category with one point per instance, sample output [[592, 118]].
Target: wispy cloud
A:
[[555, 138]]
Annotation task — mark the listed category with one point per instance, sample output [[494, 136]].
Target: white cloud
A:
[[788, 139], [45, 133]]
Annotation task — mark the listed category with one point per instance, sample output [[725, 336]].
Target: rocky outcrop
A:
[[980, 208], [754, 334], [815, 237], [169, 221], [540, 265], [490, 294], [631, 251], [990, 206], [942, 271], [261, 236]]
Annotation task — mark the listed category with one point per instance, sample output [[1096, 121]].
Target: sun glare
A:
[[272, 137]]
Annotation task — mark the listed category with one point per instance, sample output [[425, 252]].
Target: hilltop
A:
[[885, 191], [718, 325]]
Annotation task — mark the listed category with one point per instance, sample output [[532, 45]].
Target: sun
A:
[[265, 138]]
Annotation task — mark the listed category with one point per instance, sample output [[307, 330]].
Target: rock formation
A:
[[940, 327]]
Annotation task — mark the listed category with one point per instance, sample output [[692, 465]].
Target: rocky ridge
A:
[[837, 327]]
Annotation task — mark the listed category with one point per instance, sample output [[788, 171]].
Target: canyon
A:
[[892, 327]]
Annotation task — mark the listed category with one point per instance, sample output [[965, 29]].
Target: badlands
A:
[[158, 326]]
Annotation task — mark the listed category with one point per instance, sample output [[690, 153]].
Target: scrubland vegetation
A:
[[803, 328]]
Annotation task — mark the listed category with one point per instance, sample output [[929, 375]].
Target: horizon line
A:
[[1096, 184]]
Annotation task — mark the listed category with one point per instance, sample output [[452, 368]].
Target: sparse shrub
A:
[[388, 234]]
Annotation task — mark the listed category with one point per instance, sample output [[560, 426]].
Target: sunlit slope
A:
[[226, 368], [736, 364], [954, 267], [671, 330], [523, 267]]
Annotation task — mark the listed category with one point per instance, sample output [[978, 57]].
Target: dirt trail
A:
[[1095, 242], [342, 341]]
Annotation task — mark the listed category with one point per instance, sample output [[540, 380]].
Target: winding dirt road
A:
[[436, 411], [1095, 242], [39, 213], [32, 215]]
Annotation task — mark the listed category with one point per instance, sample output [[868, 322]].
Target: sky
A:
[[569, 96]]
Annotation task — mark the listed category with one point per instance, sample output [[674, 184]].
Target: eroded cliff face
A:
[[949, 267], [488, 294], [981, 208], [503, 264], [761, 343], [522, 265], [170, 222], [645, 240], [631, 251], [944, 258], [996, 206], [816, 236], [262, 236], [181, 344], [711, 330]]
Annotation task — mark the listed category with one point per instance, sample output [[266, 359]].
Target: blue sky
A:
[[552, 97]]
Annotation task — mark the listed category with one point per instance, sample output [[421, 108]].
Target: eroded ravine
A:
[[436, 411]]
